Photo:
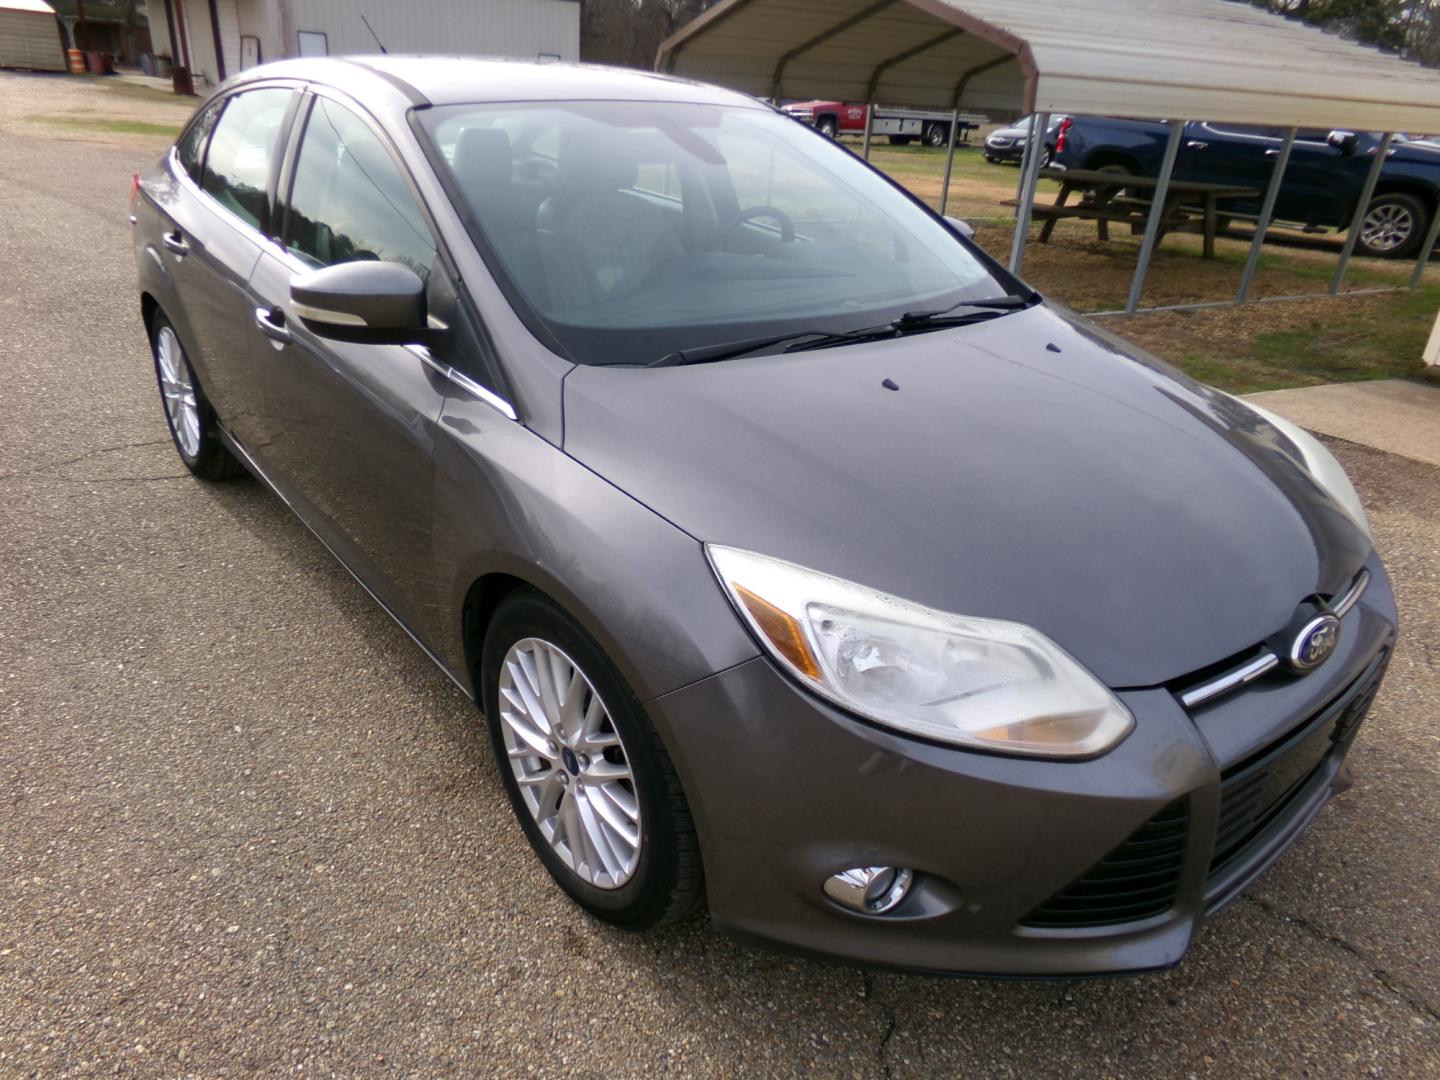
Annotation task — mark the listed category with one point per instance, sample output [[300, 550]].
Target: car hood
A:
[[1032, 468]]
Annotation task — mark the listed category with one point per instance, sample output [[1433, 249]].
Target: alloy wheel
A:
[[1386, 227], [179, 391], [570, 763]]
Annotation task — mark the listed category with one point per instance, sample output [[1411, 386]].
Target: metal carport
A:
[[1170, 60]]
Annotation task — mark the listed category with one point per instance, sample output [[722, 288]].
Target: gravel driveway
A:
[[247, 827]]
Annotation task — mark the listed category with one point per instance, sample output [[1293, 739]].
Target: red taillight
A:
[[1064, 131]]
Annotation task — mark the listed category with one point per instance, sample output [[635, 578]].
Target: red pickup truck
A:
[[901, 126]]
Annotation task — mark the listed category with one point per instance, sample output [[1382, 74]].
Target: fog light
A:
[[870, 890]]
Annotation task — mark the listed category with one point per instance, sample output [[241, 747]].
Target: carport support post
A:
[[869, 124], [1157, 214], [1267, 211], [1426, 250], [1034, 151], [1358, 221], [950, 164]]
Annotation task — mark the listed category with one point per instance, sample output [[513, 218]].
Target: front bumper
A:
[[787, 791]]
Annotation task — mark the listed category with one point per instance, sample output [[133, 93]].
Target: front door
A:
[[348, 430], [212, 239]]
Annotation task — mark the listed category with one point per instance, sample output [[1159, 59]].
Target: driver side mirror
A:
[[964, 228], [371, 303], [1344, 141]]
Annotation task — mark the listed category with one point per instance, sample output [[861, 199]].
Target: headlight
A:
[[1321, 465], [979, 683]]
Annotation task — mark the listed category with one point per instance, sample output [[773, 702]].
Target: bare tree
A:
[[629, 32]]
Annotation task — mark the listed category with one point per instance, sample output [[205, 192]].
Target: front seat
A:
[[485, 170], [598, 240]]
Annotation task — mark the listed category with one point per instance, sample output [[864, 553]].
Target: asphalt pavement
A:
[[246, 827]]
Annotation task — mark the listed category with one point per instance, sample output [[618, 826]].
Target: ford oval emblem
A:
[[1315, 642]]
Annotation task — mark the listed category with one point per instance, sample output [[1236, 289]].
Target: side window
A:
[[349, 200], [193, 141], [1247, 131], [242, 150]]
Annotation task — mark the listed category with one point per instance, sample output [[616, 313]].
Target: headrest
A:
[[482, 156], [596, 161]]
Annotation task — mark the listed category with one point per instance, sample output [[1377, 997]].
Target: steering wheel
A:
[[787, 227]]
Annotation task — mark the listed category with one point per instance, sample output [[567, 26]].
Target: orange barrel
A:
[[77, 62]]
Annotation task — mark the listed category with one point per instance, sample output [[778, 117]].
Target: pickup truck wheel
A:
[[826, 126], [936, 135], [901, 140], [1394, 226], [1107, 192]]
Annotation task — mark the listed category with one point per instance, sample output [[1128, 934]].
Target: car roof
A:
[[447, 80]]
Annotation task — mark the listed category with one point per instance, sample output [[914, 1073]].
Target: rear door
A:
[[213, 234], [348, 430], [1231, 154]]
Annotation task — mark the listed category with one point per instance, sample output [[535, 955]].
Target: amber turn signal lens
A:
[[782, 630]]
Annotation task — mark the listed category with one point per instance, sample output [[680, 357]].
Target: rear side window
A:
[[349, 200], [189, 148], [243, 149]]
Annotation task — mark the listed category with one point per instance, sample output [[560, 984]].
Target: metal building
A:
[[214, 39], [30, 36]]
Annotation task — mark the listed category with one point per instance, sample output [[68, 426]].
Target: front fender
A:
[[506, 501]]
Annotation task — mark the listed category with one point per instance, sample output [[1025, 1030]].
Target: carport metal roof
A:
[[1148, 59], [1173, 60]]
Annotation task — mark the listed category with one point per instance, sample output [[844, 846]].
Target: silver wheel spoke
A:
[[569, 763], [182, 407]]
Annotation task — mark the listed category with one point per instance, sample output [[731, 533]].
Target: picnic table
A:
[[1189, 204]]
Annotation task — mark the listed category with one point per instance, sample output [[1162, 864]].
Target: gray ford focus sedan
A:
[[802, 561]]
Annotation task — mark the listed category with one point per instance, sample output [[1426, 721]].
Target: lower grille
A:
[[1257, 792], [1137, 880]]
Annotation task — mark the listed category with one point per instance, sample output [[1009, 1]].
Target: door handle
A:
[[1196, 144], [176, 243], [271, 323]]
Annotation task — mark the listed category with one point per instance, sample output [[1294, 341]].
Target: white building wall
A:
[[229, 35], [30, 39], [521, 28]]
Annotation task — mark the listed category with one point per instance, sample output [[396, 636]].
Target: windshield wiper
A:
[[727, 350], [998, 304], [910, 322]]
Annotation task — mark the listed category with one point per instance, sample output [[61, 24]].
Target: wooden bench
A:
[[1190, 206]]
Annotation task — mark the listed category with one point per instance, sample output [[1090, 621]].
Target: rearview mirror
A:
[[1344, 141], [373, 303], [964, 228]]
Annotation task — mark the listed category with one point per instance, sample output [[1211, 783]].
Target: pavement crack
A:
[[867, 991], [1396, 986]]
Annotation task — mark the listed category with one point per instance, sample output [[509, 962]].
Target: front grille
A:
[[1137, 880], [1256, 792]]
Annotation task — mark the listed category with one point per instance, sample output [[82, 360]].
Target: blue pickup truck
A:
[[1323, 183]]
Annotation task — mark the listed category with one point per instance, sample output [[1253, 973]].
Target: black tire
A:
[[937, 135], [1120, 171], [212, 459], [901, 140], [668, 880], [1405, 221], [826, 126]]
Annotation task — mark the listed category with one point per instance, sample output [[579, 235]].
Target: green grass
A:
[[110, 126], [1338, 346]]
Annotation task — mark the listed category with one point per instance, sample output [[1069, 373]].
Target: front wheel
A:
[[1394, 226], [191, 420], [827, 127], [584, 769]]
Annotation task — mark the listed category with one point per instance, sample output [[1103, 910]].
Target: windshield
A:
[[625, 231]]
